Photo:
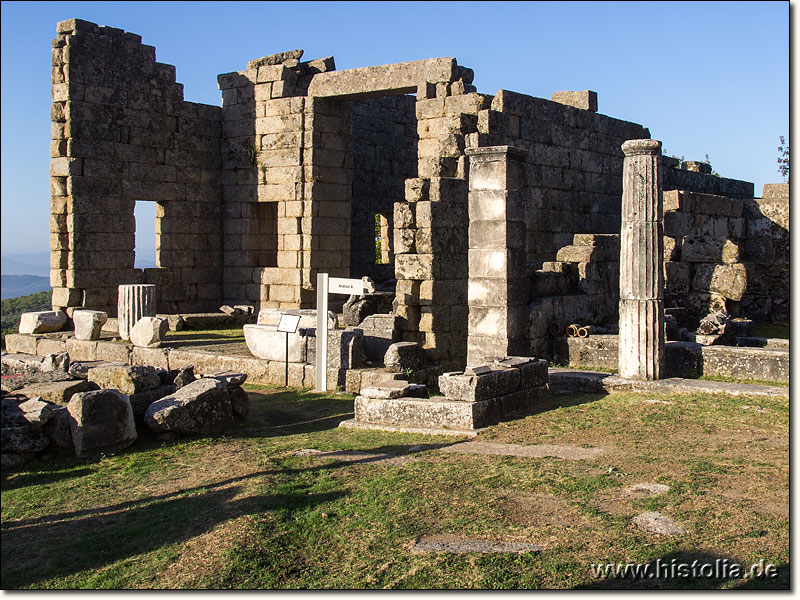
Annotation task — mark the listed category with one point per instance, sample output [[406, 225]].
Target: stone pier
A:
[[134, 302], [498, 293], [641, 284]]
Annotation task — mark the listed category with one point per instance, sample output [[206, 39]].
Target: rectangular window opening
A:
[[144, 214]]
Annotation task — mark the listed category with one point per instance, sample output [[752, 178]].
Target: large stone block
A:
[[201, 407], [727, 280], [266, 342], [149, 332], [101, 421], [42, 321], [89, 323], [126, 379], [490, 383], [379, 332]]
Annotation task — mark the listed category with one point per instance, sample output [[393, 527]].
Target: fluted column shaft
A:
[[134, 301], [641, 282]]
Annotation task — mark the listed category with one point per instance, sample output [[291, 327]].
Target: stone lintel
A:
[[398, 78]]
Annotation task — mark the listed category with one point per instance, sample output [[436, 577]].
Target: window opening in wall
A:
[[382, 243], [144, 214], [265, 240]]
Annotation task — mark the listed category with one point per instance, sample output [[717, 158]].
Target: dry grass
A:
[[247, 511]]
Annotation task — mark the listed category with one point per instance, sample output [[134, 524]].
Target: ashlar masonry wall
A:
[[122, 133]]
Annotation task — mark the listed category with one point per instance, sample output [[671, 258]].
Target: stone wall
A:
[[766, 255], [122, 133], [384, 143]]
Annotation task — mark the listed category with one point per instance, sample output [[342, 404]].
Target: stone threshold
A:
[[353, 424], [566, 380]]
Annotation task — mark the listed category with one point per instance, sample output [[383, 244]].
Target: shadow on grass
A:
[[44, 476], [91, 539], [690, 570]]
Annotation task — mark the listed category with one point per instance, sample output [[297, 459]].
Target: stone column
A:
[[498, 290], [134, 302], [641, 282]]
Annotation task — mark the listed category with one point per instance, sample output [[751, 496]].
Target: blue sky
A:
[[705, 77]]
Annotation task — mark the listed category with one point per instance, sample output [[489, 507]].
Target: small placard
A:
[[339, 285], [288, 323]]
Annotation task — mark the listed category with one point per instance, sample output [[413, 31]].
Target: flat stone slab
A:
[[676, 385], [646, 490], [459, 545], [12, 384], [655, 522], [353, 424], [537, 451], [58, 392]]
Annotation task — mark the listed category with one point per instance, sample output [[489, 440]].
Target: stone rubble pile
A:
[[95, 407]]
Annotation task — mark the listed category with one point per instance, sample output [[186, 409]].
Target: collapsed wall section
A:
[[122, 134]]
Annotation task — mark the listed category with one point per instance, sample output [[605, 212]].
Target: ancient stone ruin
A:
[[490, 225]]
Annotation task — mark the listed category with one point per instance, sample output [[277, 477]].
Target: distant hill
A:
[[12, 308], [13, 286], [37, 263]]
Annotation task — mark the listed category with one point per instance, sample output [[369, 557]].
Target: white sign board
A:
[[339, 285], [288, 323]]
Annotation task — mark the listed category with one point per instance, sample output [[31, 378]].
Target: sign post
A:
[[288, 324], [332, 285]]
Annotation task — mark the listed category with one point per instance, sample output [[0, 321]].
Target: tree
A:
[[783, 159]]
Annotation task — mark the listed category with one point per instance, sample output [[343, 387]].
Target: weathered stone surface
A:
[[275, 59], [43, 321], [184, 377], [22, 440], [458, 545], [400, 77], [134, 301], [714, 324], [380, 332], [202, 407], [149, 332], [728, 280], [646, 490], [125, 378], [141, 401], [18, 364], [230, 378], [56, 362], [655, 522], [641, 305], [240, 402], [358, 308], [403, 356], [58, 431], [58, 392], [101, 421], [387, 390], [265, 341], [37, 411], [89, 323], [475, 388], [584, 99]]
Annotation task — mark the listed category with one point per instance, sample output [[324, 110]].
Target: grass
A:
[[244, 511], [726, 379], [768, 330]]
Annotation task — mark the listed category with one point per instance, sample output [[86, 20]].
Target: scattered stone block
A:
[[240, 402], [230, 378], [89, 323], [149, 332], [58, 392], [37, 411], [474, 388], [646, 490], [202, 407], [43, 321], [403, 356], [125, 378], [101, 421], [184, 377], [58, 432], [655, 522], [380, 331], [457, 545], [585, 99], [358, 308], [56, 362]]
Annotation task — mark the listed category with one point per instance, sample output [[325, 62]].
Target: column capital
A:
[[496, 152], [635, 147]]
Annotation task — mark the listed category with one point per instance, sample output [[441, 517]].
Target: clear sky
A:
[[705, 77]]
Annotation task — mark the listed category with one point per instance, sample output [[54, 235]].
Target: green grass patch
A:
[[246, 510], [769, 330], [724, 379]]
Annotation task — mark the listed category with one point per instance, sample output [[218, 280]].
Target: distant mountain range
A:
[[24, 274], [13, 286]]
